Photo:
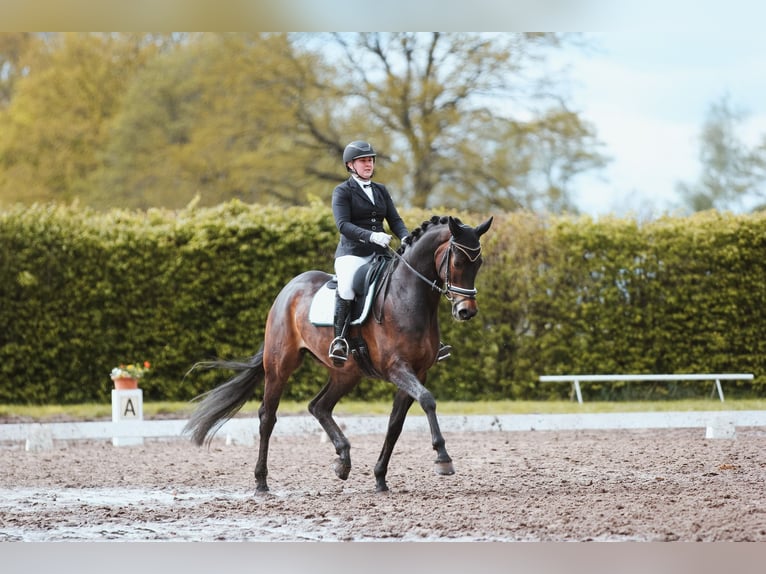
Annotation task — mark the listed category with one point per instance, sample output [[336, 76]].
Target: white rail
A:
[[577, 379], [244, 431]]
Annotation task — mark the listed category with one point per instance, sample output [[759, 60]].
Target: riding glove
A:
[[380, 238]]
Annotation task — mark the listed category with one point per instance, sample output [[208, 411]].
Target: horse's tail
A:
[[222, 403]]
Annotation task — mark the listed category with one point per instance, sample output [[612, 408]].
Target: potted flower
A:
[[126, 376]]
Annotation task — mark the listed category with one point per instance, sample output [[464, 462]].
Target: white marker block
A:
[[40, 438], [127, 407], [240, 436], [721, 427]]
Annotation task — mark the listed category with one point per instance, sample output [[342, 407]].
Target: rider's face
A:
[[364, 166]]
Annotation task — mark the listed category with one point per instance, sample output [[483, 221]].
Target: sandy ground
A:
[[627, 485]]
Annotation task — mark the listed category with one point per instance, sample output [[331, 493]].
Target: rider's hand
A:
[[380, 238]]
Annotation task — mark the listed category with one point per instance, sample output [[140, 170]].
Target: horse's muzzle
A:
[[465, 309]]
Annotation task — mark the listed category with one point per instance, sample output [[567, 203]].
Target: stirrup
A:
[[444, 352], [338, 351]]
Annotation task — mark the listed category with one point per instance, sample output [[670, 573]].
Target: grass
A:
[[356, 408]]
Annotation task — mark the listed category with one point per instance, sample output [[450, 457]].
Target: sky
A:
[[648, 94]]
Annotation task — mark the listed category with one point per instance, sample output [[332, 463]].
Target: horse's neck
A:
[[412, 302], [421, 256]]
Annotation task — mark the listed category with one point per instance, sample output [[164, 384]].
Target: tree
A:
[[216, 119], [54, 126], [141, 120], [446, 104], [524, 165], [732, 174], [13, 46]]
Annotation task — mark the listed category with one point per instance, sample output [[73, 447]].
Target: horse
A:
[[441, 258]]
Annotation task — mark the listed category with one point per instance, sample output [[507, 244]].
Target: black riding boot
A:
[[339, 345]]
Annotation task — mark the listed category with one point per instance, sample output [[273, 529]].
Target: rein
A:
[[448, 287]]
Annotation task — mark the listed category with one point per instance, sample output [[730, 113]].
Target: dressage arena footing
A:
[[244, 431]]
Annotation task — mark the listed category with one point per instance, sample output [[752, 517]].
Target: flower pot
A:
[[124, 383]]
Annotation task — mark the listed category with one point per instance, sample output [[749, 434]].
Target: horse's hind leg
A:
[[402, 404], [278, 368], [267, 413], [321, 406]]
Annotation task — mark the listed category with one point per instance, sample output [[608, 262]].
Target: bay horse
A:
[[442, 257]]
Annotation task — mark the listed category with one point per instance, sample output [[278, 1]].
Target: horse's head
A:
[[459, 260]]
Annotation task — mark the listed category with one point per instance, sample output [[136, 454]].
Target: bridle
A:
[[447, 289], [472, 253]]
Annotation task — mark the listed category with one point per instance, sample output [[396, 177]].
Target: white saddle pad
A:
[[322, 310]]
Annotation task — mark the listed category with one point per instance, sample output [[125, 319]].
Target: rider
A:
[[359, 207]]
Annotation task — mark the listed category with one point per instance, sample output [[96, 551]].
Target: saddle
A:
[[366, 283]]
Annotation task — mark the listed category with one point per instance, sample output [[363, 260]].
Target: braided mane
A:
[[418, 232]]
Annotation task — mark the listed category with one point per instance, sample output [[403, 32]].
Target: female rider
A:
[[359, 207]]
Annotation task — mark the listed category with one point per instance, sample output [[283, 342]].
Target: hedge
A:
[[83, 291]]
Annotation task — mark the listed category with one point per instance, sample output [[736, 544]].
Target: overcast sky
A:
[[648, 94]]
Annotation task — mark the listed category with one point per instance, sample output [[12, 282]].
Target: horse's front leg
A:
[[407, 382], [402, 403]]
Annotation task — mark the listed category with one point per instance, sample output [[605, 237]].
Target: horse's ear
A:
[[454, 226], [484, 227]]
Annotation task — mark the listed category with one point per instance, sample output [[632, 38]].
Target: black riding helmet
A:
[[355, 150]]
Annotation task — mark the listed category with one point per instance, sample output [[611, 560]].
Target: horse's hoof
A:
[[261, 490], [444, 468], [342, 469]]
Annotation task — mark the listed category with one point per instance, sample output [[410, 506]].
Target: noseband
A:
[[448, 289]]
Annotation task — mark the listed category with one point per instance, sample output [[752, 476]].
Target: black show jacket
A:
[[357, 218]]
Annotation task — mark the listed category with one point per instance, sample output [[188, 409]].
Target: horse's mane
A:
[[416, 233]]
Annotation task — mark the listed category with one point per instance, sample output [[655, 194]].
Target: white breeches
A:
[[345, 268]]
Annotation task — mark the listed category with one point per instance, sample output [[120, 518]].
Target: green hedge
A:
[[82, 291], [614, 296]]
